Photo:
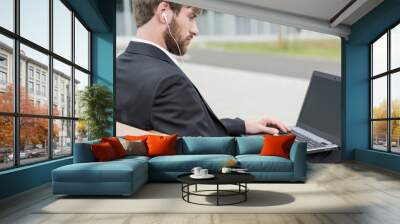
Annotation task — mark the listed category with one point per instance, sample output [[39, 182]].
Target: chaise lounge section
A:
[[87, 177]]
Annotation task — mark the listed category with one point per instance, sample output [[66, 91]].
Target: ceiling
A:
[[322, 9], [333, 17]]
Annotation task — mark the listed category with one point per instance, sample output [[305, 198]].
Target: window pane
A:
[[395, 47], [81, 45], [6, 75], [62, 29], [379, 100], [379, 135], [379, 55], [33, 140], [6, 142], [62, 89], [81, 81], [395, 94], [7, 14], [62, 141], [81, 131], [395, 129], [35, 21], [34, 97]]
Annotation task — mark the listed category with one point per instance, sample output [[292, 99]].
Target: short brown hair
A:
[[144, 10]]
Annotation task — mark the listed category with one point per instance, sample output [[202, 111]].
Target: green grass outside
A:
[[325, 49]]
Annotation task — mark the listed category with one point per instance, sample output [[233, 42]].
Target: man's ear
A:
[[162, 13]]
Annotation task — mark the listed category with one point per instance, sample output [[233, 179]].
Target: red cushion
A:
[[103, 152], [161, 145], [136, 137], [116, 145], [277, 145]]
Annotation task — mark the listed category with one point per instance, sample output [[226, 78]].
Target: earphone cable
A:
[[176, 42]]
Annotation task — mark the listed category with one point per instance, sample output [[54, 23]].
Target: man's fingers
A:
[[272, 131], [279, 125], [283, 127]]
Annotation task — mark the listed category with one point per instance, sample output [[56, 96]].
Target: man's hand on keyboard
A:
[[265, 125]]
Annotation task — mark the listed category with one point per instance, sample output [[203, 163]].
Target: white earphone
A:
[[165, 17]]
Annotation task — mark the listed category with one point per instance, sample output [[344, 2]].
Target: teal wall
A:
[[103, 66], [355, 86], [380, 159], [356, 91], [99, 16], [103, 52]]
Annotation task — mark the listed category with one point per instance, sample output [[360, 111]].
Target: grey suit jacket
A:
[[154, 94]]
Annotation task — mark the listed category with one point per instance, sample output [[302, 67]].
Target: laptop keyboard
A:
[[310, 143]]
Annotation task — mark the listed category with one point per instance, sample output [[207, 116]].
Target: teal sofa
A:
[[125, 176]]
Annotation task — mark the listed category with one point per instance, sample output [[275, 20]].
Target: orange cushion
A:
[[116, 145], [136, 137], [161, 145], [277, 145], [103, 152]]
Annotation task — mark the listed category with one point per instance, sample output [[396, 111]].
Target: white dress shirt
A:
[[171, 56]]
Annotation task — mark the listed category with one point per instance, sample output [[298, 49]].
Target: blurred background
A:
[[248, 68]]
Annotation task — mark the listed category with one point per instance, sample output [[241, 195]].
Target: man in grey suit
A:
[[153, 93]]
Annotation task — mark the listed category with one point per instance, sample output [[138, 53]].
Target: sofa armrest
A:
[[83, 152], [298, 154]]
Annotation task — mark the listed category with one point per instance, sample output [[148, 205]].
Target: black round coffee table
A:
[[238, 179]]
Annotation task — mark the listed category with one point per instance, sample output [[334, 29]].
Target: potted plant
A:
[[96, 102]]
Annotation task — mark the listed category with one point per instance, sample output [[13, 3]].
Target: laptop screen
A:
[[320, 113]]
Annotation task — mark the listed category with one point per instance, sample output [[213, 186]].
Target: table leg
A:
[[245, 193], [196, 187], [217, 194], [188, 189], [182, 188]]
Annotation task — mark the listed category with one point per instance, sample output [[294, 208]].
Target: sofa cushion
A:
[[134, 147], [93, 172], [257, 163], [116, 145], [208, 145], [136, 137], [132, 158], [112, 171], [161, 145], [185, 163], [103, 152], [83, 152], [249, 144], [277, 145]]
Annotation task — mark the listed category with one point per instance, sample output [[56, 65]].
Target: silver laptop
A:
[[319, 121]]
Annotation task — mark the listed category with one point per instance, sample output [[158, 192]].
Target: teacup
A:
[[196, 171], [203, 172]]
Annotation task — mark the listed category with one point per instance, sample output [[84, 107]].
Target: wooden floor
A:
[[377, 188]]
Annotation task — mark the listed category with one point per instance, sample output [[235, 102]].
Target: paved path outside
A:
[[298, 67]]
